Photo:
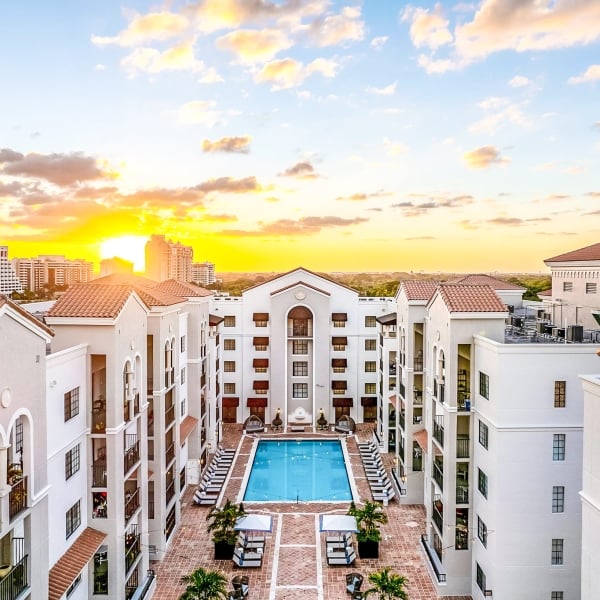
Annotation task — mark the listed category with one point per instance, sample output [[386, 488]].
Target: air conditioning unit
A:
[[575, 333]]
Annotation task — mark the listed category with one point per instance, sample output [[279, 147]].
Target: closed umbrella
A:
[[340, 523], [254, 523]]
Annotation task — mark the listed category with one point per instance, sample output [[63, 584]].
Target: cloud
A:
[[200, 112], [419, 238], [158, 26], [592, 73], [518, 81], [287, 72], [336, 29], [362, 196], [394, 148], [434, 201], [484, 157], [301, 170], [60, 169], [593, 194], [210, 75], [511, 114], [219, 218], [427, 28], [229, 185], [388, 90], [295, 227], [509, 221], [150, 60], [240, 144], [377, 43], [493, 102], [251, 46]]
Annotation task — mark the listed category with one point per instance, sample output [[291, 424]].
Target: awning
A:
[[339, 341], [254, 523], [230, 402], [260, 341], [186, 427], [393, 400], [260, 317], [421, 439], [337, 523], [256, 402], [339, 362], [339, 316], [368, 401], [214, 320], [343, 402], [389, 319], [261, 363], [261, 385], [339, 385], [73, 561]]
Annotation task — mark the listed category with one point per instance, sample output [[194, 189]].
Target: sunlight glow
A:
[[128, 247]]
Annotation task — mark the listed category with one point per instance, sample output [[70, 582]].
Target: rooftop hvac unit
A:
[[575, 333]]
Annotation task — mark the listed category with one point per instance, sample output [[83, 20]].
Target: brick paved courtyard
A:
[[294, 563]]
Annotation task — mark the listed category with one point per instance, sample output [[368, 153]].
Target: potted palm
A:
[[222, 526], [387, 585], [204, 585], [369, 518]]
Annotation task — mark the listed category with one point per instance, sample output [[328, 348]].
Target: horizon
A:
[[350, 136]]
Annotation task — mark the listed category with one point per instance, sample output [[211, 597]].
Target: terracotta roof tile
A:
[[419, 289], [582, 254], [321, 275], [421, 438], [308, 285], [73, 561], [186, 427], [493, 282], [183, 290], [91, 300], [125, 279], [471, 298], [4, 300]]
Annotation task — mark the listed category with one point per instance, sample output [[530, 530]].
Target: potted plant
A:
[[387, 585], [222, 524], [368, 520], [204, 585]]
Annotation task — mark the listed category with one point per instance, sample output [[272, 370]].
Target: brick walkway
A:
[[294, 564]]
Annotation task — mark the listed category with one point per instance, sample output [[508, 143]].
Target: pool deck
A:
[[294, 563]]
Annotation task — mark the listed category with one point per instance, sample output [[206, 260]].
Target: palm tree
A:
[[222, 521], [204, 585], [388, 585], [368, 520]]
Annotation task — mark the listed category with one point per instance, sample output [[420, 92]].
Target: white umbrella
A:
[[337, 523], [254, 523]]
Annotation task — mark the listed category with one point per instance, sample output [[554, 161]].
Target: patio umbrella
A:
[[337, 523], [254, 523]]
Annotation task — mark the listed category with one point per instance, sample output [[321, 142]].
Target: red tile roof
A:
[[493, 282], [421, 439], [308, 285], [471, 298], [4, 300], [186, 427], [321, 275], [94, 301], [545, 293], [182, 289], [582, 254], [419, 289], [73, 561]]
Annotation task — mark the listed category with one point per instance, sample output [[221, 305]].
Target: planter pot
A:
[[224, 551], [368, 549]]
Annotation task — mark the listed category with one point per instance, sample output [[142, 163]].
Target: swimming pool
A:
[[298, 471]]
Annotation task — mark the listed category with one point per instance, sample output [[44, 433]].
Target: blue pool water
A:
[[294, 470]]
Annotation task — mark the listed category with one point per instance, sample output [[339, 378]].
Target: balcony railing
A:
[[300, 331], [418, 364], [438, 429], [132, 503], [402, 420], [98, 421], [462, 447], [132, 550], [462, 494], [418, 395], [132, 452], [402, 389], [170, 453], [438, 474], [99, 475], [438, 517], [17, 498], [15, 581], [434, 561], [169, 415], [170, 491]]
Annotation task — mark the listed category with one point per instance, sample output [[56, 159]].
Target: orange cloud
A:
[[484, 157], [240, 144], [252, 46], [150, 60], [299, 227], [301, 170], [287, 72], [592, 73]]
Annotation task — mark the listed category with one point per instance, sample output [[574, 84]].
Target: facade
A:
[[203, 273], [168, 260], [9, 282], [51, 270]]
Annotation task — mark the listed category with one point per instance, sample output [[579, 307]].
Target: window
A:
[[370, 366], [590, 288], [556, 596], [557, 551], [339, 323], [260, 343], [260, 319], [71, 404], [484, 385], [229, 321], [560, 394], [482, 484], [370, 321], [482, 531], [558, 446], [339, 343], [483, 434], [370, 344], [229, 344], [370, 388], [567, 286], [339, 319], [558, 498], [229, 388], [480, 578], [182, 407], [73, 586], [73, 518], [300, 369], [300, 390], [229, 366], [72, 462], [182, 341], [300, 347], [182, 376]]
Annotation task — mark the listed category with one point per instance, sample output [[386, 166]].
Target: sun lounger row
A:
[[340, 550], [379, 482], [213, 479], [249, 550]]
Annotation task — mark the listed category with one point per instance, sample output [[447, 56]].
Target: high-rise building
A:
[[112, 266], [9, 282], [203, 273], [168, 260], [51, 270]]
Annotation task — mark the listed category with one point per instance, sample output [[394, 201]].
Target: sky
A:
[[372, 135]]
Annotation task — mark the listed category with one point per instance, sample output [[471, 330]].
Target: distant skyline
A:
[[340, 136]]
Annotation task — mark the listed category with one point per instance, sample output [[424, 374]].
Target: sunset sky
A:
[[268, 134]]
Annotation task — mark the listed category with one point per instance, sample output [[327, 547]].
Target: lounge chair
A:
[[353, 582], [345, 424], [253, 424], [241, 583], [235, 595], [243, 558], [202, 498], [386, 495]]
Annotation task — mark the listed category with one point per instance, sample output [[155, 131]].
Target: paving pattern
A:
[[294, 562]]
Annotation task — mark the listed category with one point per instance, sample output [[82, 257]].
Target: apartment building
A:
[[9, 282], [51, 270], [203, 273], [168, 260], [489, 435], [297, 345]]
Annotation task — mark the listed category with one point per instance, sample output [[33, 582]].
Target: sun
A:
[[128, 247]]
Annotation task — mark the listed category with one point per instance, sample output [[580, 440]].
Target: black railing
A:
[[433, 559], [131, 585], [437, 518], [170, 491], [169, 415], [147, 584], [418, 364], [15, 581], [132, 550], [132, 503], [462, 447], [132, 452], [438, 429], [17, 498], [99, 475], [402, 420], [438, 475], [170, 453], [462, 494]]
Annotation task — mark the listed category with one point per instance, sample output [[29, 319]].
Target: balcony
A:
[[170, 491], [98, 420], [462, 446], [437, 515], [132, 549], [132, 503], [418, 364], [126, 410], [99, 474], [402, 420], [438, 429], [418, 397], [438, 474], [17, 498], [434, 561], [169, 415], [462, 494], [15, 582], [170, 453], [132, 452]]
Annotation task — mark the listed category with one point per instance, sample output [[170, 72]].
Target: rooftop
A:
[[582, 254], [471, 298]]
